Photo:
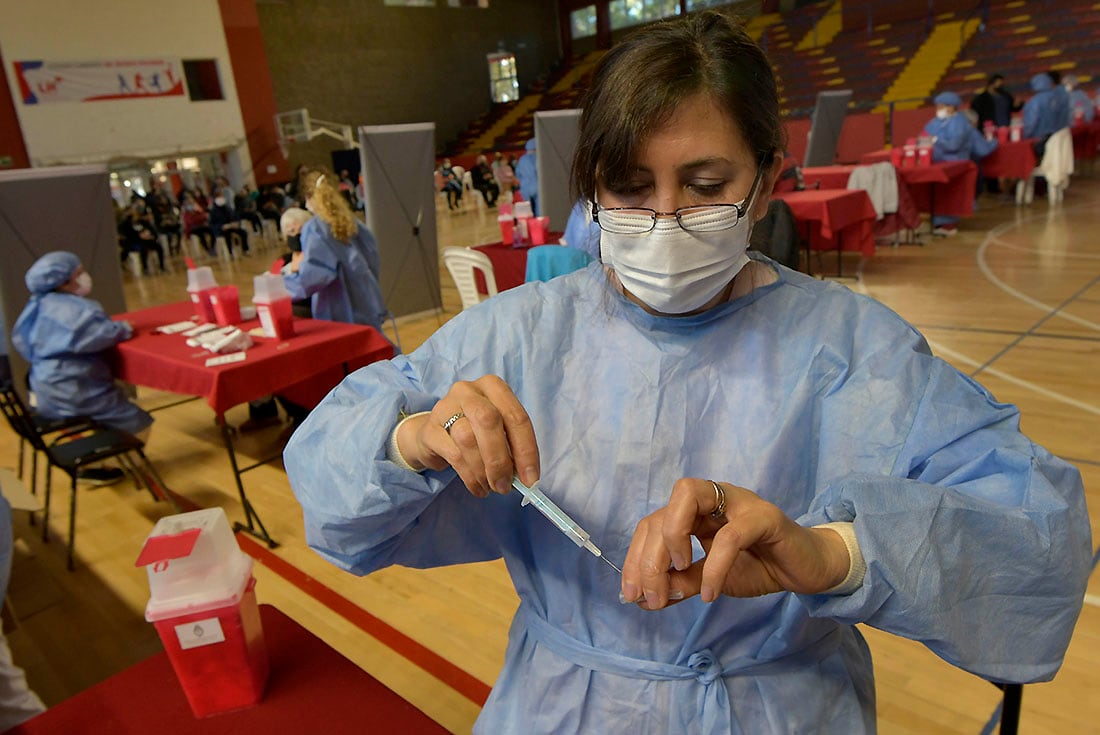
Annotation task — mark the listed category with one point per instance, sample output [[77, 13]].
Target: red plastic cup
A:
[[1002, 134], [895, 156]]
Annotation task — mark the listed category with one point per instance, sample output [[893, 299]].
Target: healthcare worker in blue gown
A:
[[527, 174], [770, 458], [956, 140], [339, 266], [63, 334]]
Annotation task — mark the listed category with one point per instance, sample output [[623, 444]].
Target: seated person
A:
[[956, 139], [196, 222], [139, 234], [224, 222], [482, 177], [63, 334], [291, 225], [452, 186]]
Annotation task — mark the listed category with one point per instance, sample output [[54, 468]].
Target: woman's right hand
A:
[[491, 440]]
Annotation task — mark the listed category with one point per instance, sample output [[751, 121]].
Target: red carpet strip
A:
[[468, 686]]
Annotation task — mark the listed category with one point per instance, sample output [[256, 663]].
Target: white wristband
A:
[[393, 452], [857, 567]]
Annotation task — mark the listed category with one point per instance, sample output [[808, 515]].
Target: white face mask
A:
[[674, 271], [942, 113], [83, 284], [309, 205]]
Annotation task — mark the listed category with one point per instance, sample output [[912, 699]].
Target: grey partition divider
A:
[[825, 126], [398, 162], [556, 132], [56, 208]]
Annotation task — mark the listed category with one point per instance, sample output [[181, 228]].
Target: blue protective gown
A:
[[342, 278], [1080, 100], [528, 176], [1043, 115], [581, 232], [63, 337], [822, 401], [957, 139]]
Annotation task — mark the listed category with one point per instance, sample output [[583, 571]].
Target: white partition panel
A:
[[57, 208], [398, 162], [556, 132]]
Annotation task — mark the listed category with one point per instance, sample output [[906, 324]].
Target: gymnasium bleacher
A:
[[891, 67]]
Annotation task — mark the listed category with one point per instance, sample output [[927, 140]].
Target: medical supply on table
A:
[[206, 336], [273, 305], [233, 341], [227, 305], [558, 517], [203, 603], [200, 285]]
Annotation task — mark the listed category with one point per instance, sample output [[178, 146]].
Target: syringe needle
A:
[[612, 564]]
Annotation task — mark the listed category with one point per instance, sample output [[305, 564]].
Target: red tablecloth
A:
[[907, 217], [311, 689], [303, 368], [947, 187], [835, 217], [827, 177], [1014, 159], [509, 263], [1086, 140]]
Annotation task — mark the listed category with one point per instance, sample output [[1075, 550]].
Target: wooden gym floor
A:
[[1014, 300]]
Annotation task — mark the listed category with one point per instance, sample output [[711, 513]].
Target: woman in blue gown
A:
[[771, 458]]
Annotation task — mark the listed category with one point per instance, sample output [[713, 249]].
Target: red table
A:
[[303, 369], [1086, 140], [311, 689], [509, 263], [835, 218], [946, 187], [1014, 159], [907, 217]]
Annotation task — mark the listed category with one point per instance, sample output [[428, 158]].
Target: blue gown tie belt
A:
[[703, 665]]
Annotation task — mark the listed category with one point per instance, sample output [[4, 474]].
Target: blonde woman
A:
[[339, 266]]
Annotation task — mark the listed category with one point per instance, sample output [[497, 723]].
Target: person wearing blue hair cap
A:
[[63, 334], [955, 140], [527, 174], [1044, 115], [770, 459]]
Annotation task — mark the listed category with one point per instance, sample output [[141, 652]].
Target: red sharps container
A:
[[203, 603]]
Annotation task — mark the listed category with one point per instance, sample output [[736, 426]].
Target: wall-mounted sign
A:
[[95, 81]]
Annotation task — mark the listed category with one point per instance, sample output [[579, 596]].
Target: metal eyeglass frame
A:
[[742, 210]]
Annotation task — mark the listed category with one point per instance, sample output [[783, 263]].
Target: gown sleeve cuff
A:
[[857, 567], [393, 452]]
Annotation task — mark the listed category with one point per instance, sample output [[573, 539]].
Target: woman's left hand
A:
[[752, 549]]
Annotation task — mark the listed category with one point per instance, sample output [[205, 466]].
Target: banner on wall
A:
[[96, 81]]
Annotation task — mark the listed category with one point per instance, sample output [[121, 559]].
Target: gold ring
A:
[[719, 511], [451, 422]]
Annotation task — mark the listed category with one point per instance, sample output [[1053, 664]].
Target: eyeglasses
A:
[[701, 218]]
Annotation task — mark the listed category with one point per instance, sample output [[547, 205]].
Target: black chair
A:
[[776, 235], [42, 425], [76, 450], [1010, 707]]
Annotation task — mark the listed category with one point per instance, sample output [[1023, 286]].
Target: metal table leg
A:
[[250, 514]]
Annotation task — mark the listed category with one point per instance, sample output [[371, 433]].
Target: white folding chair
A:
[[1056, 167], [461, 264]]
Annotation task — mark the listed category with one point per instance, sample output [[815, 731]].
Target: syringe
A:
[[557, 516]]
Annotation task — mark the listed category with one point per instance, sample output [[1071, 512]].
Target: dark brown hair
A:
[[640, 82]]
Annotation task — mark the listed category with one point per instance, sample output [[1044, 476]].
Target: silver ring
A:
[[451, 422], [719, 511]]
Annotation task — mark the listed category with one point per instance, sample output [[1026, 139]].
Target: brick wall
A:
[[362, 63]]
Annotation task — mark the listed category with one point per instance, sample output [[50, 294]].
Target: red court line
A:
[[468, 686]]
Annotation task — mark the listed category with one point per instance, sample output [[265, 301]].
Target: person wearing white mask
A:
[[769, 458], [63, 334], [956, 139]]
